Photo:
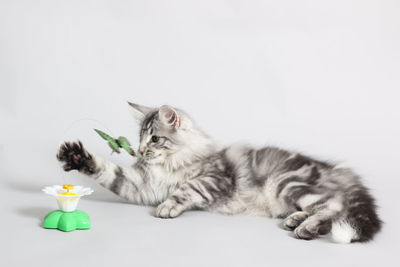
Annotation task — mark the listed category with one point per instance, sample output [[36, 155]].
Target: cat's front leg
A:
[[169, 209], [193, 194], [176, 204], [129, 183]]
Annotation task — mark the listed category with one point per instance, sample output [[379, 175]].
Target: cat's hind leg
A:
[[320, 220], [294, 220]]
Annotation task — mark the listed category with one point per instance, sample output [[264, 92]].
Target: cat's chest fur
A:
[[163, 181]]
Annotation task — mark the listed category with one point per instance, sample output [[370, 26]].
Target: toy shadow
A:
[[106, 197], [34, 212]]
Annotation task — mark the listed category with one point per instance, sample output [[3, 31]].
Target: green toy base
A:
[[67, 221]]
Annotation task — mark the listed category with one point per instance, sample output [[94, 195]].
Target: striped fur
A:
[[182, 169]]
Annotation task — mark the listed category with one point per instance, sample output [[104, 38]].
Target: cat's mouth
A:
[[149, 156]]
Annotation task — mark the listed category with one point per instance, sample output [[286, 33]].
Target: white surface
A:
[[317, 76]]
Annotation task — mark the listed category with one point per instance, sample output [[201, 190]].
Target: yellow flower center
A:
[[67, 187]]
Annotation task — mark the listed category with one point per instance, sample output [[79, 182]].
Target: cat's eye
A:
[[155, 138]]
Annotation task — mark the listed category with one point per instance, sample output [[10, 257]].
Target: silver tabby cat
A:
[[181, 168]]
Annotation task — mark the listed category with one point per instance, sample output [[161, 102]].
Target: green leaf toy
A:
[[116, 144]]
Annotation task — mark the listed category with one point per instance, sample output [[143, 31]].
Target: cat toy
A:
[[67, 218], [117, 143]]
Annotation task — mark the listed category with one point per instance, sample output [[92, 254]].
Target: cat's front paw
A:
[[75, 157], [169, 209]]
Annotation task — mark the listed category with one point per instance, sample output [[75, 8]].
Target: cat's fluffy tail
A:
[[361, 222]]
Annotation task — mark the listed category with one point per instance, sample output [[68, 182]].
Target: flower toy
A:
[[67, 218], [117, 143]]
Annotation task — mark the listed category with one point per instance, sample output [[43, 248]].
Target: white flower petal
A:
[[57, 189]]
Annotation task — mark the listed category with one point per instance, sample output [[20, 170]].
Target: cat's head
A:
[[168, 136]]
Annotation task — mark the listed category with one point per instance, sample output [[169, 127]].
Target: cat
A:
[[179, 168]]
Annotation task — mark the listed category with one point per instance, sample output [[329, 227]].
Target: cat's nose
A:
[[141, 149]]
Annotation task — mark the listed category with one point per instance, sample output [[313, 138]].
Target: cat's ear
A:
[[138, 111], [169, 117]]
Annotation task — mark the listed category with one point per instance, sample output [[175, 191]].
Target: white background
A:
[[320, 77]]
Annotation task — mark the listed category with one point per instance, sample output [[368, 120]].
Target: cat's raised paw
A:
[[75, 157], [169, 209]]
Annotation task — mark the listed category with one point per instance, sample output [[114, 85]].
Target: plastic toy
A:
[[67, 218], [116, 144]]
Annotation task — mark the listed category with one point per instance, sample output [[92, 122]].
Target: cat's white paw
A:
[[169, 209]]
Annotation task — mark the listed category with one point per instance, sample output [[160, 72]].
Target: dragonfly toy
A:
[[117, 144]]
